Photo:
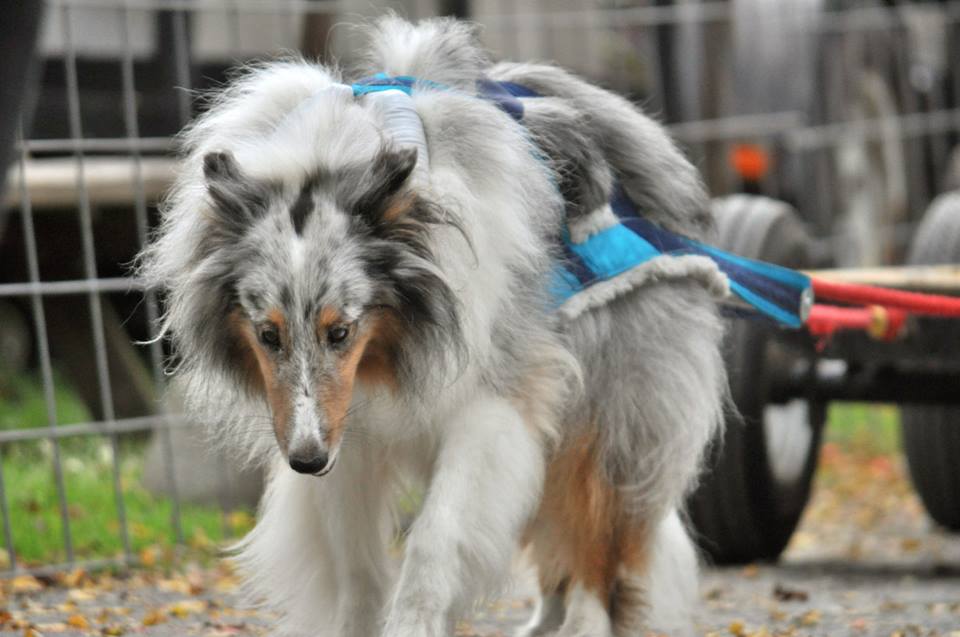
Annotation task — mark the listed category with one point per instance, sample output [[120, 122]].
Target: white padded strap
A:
[[402, 122]]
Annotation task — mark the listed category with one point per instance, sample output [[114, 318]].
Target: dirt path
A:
[[866, 561]]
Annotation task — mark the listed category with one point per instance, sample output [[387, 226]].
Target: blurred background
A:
[[826, 130]]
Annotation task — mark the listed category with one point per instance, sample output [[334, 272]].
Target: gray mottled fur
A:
[[652, 375], [442, 50], [654, 378], [657, 177], [559, 131]]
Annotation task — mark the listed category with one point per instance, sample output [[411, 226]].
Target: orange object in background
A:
[[750, 161]]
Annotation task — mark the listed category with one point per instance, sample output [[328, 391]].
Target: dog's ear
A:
[[389, 173], [393, 168], [237, 200]]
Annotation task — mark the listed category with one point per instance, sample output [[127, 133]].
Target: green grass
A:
[[22, 403], [87, 461], [862, 427]]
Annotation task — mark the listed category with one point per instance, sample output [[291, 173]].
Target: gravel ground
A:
[[865, 561]]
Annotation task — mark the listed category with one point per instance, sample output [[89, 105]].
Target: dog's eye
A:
[[338, 334], [270, 337]]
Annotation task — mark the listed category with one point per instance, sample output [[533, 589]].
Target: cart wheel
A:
[[758, 481], [931, 435]]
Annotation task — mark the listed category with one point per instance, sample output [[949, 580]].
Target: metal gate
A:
[[846, 109]]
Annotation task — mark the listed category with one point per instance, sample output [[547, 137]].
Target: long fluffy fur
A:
[[487, 381], [653, 171]]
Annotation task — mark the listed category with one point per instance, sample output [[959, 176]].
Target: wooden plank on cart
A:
[[940, 279], [52, 183]]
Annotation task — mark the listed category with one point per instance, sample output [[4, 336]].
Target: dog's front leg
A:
[[358, 523], [486, 481]]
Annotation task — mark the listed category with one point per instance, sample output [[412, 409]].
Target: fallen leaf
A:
[[81, 595], [810, 618], [200, 540], [226, 584], [240, 520], [909, 544], [175, 585], [859, 624], [149, 555], [187, 607], [153, 617], [784, 594], [74, 578], [226, 630], [78, 621], [25, 584]]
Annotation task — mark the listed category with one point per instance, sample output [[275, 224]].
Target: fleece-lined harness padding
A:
[[614, 250]]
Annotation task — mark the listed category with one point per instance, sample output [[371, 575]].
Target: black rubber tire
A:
[[741, 512], [931, 434]]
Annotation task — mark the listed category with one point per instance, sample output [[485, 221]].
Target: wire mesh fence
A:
[[848, 111]]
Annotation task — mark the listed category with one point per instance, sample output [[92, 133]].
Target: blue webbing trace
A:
[[777, 293]]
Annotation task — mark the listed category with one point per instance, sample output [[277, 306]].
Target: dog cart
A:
[[899, 344]]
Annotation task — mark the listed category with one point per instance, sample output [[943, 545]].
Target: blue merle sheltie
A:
[[363, 303]]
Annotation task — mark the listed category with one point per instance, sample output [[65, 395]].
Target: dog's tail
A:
[[439, 50], [663, 185]]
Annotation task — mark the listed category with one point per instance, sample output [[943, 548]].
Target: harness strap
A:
[[778, 293]]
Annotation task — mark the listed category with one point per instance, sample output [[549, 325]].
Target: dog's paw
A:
[[415, 623], [599, 629], [535, 631], [581, 629], [360, 625], [585, 631], [585, 616], [413, 631], [546, 619]]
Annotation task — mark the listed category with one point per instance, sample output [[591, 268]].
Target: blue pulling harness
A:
[[777, 293]]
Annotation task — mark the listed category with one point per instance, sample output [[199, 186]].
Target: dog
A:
[[361, 315]]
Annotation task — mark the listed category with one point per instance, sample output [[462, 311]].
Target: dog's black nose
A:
[[312, 464]]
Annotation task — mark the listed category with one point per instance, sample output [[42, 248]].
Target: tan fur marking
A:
[[275, 316], [582, 507], [535, 397], [583, 534], [335, 396], [634, 546], [398, 206], [244, 349], [277, 396], [378, 364], [628, 600], [327, 318]]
